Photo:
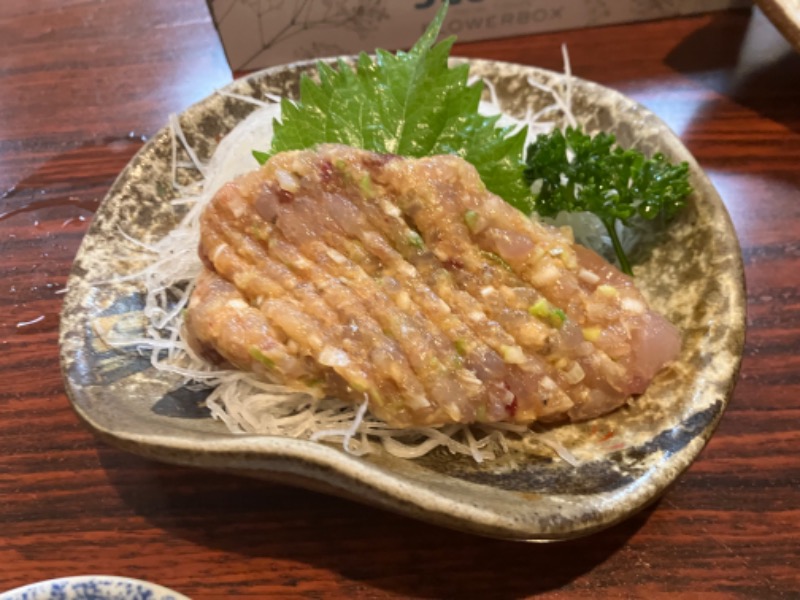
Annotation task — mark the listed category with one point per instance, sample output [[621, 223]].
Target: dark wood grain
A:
[[83, 82]]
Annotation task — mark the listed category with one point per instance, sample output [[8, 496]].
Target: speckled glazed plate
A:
[[692, 274]]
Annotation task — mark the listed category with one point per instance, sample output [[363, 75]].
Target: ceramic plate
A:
[[785, 15], [692, 274], [92, 587]]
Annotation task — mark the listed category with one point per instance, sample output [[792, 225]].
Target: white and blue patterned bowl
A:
[[92, 587]]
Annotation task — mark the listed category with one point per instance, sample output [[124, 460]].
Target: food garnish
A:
[[577, 172], [409, 104]]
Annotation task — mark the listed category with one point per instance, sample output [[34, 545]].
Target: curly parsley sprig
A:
[[576, 172]]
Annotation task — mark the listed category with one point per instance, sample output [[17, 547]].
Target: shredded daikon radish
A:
[[38, 319], [551, 442], [248, 99], [346, 434], [242, 402]]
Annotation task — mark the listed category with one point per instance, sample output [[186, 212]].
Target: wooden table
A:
[[84, 82]]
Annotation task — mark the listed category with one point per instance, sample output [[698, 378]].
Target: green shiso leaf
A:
[[410, 104]]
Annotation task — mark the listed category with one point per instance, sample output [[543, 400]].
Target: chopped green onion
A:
[[416, 240], [258, 355], [591, 334], [471, 219], [547, 312], [496, 258], [365, 184]]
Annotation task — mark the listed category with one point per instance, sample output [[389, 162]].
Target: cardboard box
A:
[[262, 33]]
